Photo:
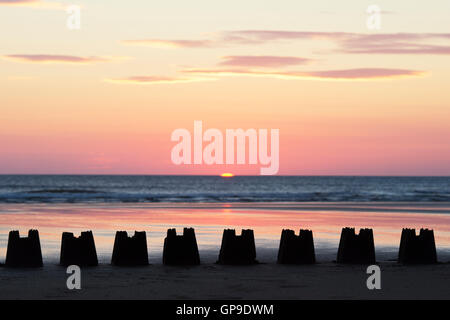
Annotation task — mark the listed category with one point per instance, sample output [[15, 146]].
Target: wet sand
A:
[[325, 280]]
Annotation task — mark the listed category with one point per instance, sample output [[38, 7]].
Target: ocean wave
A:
[[74, 191], [92, 197], [209, 189]]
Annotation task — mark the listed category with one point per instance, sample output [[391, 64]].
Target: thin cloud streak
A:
[[158, 43], [17, 2], [37, 4], [146, 80], [212, 74], [51, 58], [345, 74], [346, 42], [263, 61], [395, 43]]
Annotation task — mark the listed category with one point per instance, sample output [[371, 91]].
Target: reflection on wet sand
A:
[[209, 220]]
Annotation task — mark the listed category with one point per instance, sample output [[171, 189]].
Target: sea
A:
[[216, 189]]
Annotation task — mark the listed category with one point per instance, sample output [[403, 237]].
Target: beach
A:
[[211, 281], [224, 150], [267, 280]]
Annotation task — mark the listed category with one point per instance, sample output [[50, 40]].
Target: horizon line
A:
[[218, 175]]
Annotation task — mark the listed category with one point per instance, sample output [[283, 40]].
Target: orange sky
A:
[[106, 98]]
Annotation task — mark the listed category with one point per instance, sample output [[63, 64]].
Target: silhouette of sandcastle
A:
[[130, 251], [237, 250], [296, 249], [78, 251], [357, 249], [181, 250], [417, 249], [24, 252]]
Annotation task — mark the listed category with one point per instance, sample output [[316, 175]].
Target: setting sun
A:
[[227, 175]]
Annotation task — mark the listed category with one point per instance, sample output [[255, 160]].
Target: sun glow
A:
[[227, 175]]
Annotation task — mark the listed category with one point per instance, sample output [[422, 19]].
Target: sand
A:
[[325, 280]]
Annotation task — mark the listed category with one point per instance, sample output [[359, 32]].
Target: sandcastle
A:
[[130, 251], [356, 248], [181, 250], [24, 252], [296, 249], [417, 249], [78, 251], [237, 250]]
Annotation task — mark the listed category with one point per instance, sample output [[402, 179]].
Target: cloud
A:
[[386, 43], [365, 73], [346, 42], [158, 43], [262, 61], [144, 80], [401, 43], [345, 74], [262, 36], [17, 2], [51, 58], [38, 4]]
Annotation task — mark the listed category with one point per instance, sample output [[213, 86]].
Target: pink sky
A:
[[105, 99]]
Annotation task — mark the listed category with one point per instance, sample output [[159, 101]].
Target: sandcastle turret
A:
[[237, 249], [182, 249], [78, 251], [358, 249], [130, 251], [296, 249], [24, 252], [417, 249]]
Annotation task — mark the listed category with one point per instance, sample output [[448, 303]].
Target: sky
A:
[[104, 99]]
